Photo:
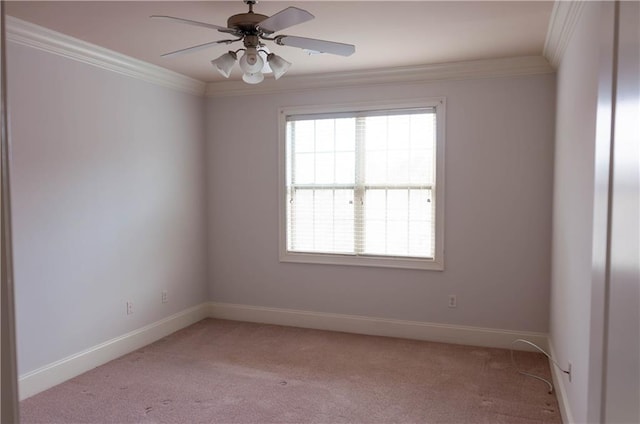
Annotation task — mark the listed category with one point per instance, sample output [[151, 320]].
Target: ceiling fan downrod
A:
[[250, 3]]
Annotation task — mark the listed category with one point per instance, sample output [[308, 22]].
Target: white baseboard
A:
[[444, 333], [57, 372], [60, 371], [560, 389]]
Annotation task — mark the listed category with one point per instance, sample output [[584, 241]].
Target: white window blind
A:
[[362, 183]]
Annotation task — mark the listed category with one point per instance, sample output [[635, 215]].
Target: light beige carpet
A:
[[219, 371]]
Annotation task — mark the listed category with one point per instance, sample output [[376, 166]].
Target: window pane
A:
[[375, 129], [398, 222], [399, 132], [303, 131], [406, 156], [389, 160], [324, 168], [376, 220], [420, 243], [321, 221], [398, 205], [421, 167], [304, 168], [301, 220], [345, 168], [420, 204], [375, 237], [375, 205], [343, 221], [375, 167], [397, 217], [398, 167], [397, 238], [423, 131], [345, 134], [324, 135]]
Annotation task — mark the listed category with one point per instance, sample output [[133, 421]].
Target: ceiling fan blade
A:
[[316, 45], [196, 48], [194, 23], [284, 19]]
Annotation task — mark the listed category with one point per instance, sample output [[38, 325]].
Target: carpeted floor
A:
[[219, 371]]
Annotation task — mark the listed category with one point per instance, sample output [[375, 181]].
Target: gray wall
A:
[[108, 203], [499, 165]]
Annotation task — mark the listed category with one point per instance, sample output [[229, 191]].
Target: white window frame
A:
[[437, 262]]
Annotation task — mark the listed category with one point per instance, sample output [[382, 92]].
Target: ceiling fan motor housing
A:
[[246, 23]]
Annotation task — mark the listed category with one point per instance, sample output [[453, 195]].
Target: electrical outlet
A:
[[165, 296], [129, 308], [453, 302]]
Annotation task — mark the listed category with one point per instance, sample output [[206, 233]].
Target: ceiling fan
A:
[[252, 28]]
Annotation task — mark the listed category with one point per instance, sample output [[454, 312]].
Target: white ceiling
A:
[[386, 33]]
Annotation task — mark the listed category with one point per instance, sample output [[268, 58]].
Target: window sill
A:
[[369, 261]]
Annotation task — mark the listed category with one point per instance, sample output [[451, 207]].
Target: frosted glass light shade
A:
[[278, 65], [251, 62], [263, 52], [253, 78], [224, 63]]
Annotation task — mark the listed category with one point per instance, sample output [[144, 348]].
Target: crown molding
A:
[[563, 20], [28, 34], [476, 69]]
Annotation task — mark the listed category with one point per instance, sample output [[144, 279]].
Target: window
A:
[[363, 185]]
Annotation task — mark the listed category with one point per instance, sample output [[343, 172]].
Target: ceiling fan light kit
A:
[[254, 28]]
